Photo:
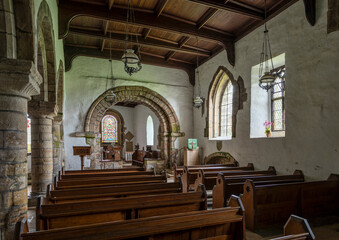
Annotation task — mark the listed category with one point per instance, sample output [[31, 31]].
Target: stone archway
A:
[[220, 158], [169, 123]]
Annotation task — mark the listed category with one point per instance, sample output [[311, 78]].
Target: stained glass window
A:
[[226, 111], [109, 129], [278, 101]]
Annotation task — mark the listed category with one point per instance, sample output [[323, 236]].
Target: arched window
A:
[[109, 129], [149, 131], [225, 98], [226, 111]]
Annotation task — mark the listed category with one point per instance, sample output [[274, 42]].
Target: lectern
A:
[[81, 151]]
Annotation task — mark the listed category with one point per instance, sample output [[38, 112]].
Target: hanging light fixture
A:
[[198, 101], [266, 74], [132, 61], [110, 97]]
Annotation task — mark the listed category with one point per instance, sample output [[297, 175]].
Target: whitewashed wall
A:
[[312, 96], [87, 80], [140, 119]]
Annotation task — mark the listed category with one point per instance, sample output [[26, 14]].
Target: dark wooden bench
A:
[[84, 194], [209, 178], [190, 225], [190, 176], [109, 181], [105, 174], [91, 171], [179, 170], [51, 216], [271, 204], [226, 186]]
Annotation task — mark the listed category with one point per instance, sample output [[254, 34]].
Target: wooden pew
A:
[[270, 204], [91, 171], [106, 174], [84, 194], [226, 186], [189, 176], [179, 170], [209, 178], [53, 216], [190, 225], [109, 181], [297, 228]]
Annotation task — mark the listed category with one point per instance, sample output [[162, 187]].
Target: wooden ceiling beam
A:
[[232, 6], [68, 12], [206, 17], [145, 33], [181, 43], [159, 8], [72, 52], [105, 28], [110, 4], [147, 43]]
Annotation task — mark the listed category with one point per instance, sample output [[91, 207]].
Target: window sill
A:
[[221, 139]]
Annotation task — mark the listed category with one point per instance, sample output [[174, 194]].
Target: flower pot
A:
[[268, 134]]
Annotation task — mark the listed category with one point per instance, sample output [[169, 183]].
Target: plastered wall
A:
[[312, 96], [87, 80]]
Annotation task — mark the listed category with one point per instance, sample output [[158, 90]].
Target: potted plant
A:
[[267, 128]]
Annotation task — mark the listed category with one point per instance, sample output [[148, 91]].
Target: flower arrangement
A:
[[267, 127]]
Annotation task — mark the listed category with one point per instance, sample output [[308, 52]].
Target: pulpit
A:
[[81, 151]]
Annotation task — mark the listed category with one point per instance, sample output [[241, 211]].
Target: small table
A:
[[104, 161]]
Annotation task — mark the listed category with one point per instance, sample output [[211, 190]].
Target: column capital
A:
[[19, 78], [41, 109], [57, 120]]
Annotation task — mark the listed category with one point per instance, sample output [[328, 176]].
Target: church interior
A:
[[169, 119]]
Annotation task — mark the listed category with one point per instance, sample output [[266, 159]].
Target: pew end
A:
[[179, 180], [298, 225], [298, 172], [250, 165], [21, 227], [199, 180], [235, 201], [164, 173], [59, 175], [218, 192], [175, 170], [185, 183], [201, 188], [272, 169], [333, 176], [63, 170], [247, 199]]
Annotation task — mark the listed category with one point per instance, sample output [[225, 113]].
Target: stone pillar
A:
[[41, 114], [19, 80], [57, 145]]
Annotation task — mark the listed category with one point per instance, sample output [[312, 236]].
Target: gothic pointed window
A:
[[221, 110], [109, 129]]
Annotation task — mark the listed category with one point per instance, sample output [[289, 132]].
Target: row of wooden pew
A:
[[132, 203], [268, 198]]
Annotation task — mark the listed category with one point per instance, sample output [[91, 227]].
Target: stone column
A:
[[19, 80], [57, 145], [41, 114]]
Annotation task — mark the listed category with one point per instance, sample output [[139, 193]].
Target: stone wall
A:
[[312, 127]]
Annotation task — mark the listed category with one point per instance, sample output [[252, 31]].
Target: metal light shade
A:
[[130, 57], [131, 62], [197, 102], [267, 81]]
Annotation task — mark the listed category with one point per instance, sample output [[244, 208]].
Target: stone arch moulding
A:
[[239, 97], [60, 88], [169, 123], [220, 158], [45, 28]]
